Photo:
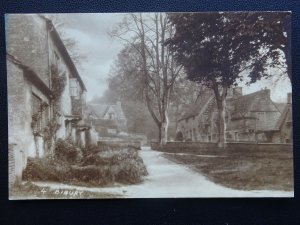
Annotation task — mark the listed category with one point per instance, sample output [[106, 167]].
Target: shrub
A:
[[123, 166], [98, 168], [67, 151], [45, 170]]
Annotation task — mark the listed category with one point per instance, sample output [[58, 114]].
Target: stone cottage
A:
[[249, 118], [46, 95], [108, 119]]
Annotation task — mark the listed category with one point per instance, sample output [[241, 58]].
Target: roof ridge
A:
[[252, 94]]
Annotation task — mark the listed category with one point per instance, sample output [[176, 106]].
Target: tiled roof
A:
[[101, 109], [200, 104], [255, 102], [239, 107], [117, 109], [280, 106], [97, 109]]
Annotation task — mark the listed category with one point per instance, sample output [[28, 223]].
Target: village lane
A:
[[169, 179]]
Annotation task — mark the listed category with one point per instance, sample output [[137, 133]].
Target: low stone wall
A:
[[232, 148], [187, 147], [108, 144], [236, 146]]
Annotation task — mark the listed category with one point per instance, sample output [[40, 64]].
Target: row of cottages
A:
[[109, 119], [249, 118], [46, 95]]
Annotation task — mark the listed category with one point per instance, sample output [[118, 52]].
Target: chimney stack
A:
[[237, 91]]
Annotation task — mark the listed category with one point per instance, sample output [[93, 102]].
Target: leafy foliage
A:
[[36, 117], [96, 168], [216, 48], [58, 80], [67, 151]]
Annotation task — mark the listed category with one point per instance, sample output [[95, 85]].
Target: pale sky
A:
[[91, 33]]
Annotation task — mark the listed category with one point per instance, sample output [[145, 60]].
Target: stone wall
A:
[[105, 145], [262, 147], [232, 148], [26, 38], [17, 116], [185, 147]]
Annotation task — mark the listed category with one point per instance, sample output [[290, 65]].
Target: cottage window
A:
[[36, 117], [40, 113]]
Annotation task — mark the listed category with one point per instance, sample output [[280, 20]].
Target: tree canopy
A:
[[215, 48]]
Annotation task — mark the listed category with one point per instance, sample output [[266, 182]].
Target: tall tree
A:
[[272, 32], [215, 48], [146, 34], [125, 76]]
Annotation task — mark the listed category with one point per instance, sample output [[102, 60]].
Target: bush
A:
[[67, 151], [123, 166], [97, 168], [45, 170]]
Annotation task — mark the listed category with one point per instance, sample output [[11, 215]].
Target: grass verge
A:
[[249, 171]]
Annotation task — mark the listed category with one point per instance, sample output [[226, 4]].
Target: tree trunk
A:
[[164, 131], [159, 134], [221, 104]]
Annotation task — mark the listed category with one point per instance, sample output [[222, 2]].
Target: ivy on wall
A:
[[48, 133]]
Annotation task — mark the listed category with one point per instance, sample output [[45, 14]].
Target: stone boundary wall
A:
[[210, 148], [111, 144], [267, 147]]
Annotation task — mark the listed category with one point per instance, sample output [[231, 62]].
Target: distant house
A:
[[249, 118], [45, 91], [284, 126], [109, 120]]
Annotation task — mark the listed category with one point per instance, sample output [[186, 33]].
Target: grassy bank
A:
[[249, 171]]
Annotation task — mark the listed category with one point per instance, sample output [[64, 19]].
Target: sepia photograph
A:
[[149, 105]]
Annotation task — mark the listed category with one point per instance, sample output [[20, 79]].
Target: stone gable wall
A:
[[27, 40]]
